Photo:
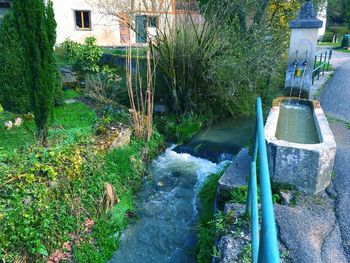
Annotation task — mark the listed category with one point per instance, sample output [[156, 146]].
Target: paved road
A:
[[341, 181], [335, 99]]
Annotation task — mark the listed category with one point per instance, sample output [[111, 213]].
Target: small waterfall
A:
[[167, 210]]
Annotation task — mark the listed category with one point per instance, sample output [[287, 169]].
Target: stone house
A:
[[109, 20]]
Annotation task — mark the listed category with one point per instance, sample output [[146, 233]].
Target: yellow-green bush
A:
[[47, 194]]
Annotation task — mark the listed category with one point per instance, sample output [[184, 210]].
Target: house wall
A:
[[322, 15], [107, 22], [104, 28]]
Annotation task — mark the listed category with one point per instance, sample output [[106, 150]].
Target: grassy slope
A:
[[206, 231], [71, 121], [79, 173]]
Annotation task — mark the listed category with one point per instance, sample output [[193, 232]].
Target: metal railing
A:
[[321, 63], [264, 244]]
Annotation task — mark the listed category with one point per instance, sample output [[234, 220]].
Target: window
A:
[[83, 20], [152, 21]]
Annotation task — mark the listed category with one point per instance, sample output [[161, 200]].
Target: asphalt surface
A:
[[335, 101]]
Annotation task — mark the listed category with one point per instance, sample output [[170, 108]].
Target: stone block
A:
[[307, 166], [236, 174]]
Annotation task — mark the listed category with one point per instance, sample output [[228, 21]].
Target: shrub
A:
[[328, 36], [339, 31], [102, 87], [221, 66], [183, 54], [47, 194], [179, 129], [85, 57]]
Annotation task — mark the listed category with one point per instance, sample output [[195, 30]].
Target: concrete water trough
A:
[[301, 146]]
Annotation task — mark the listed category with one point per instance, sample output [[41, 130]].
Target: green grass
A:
[[17, 136], [71, 122], [123, 52], [179, 129], [329, 44], [206, 231], [71, 94], [46, 195], [126, 177], [343, 50]]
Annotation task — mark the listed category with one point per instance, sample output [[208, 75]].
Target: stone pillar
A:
[[302, 50]]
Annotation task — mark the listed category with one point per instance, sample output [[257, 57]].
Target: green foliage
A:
[[183, 54], [207, 230], [329, 44], [277, 188], [328, 37], [339, 31], [338, 12], [219, 68], [14, 94], [253, 64], [71, 122], [84, 57], [122, 52], [71, 94], [16, 137], [103, 87], [37, 27], [245, 255], [46, 195], [179, 129], [62, 58], [239, 195]]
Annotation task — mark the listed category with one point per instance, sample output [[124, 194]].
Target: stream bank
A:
[[167, 207]]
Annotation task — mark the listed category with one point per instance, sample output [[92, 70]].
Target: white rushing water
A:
[[167, 211]]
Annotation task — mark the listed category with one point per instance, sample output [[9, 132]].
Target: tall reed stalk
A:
[[141, 95]]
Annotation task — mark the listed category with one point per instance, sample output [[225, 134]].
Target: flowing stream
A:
[[167, 207]]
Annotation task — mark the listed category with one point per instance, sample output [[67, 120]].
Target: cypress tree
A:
[[36, 28], [13, 90]]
